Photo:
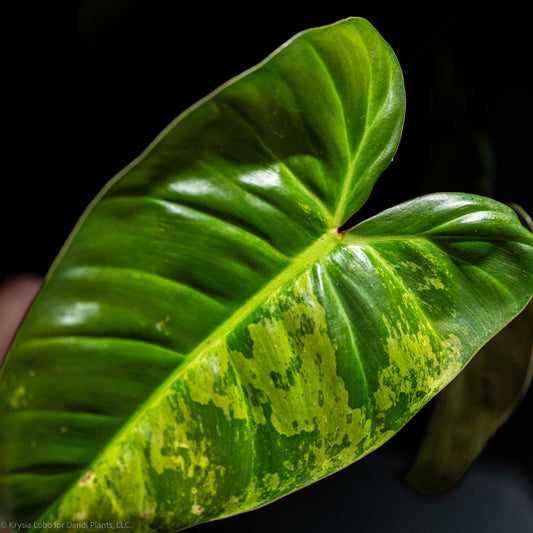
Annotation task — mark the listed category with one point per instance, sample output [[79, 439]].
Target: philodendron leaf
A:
[[208, 341], [476, 403]]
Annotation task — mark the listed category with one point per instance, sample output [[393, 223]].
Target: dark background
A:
[[87, 85]]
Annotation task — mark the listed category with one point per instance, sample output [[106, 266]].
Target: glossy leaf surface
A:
[[476, 403], [208, 341]]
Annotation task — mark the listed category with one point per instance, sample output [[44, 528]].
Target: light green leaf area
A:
[[208, 341]]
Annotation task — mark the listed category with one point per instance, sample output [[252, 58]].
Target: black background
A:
[[87, 85]]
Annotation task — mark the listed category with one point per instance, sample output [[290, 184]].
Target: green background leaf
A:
[[207, 304]]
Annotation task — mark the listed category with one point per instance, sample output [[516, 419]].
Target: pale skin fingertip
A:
[[16, 295]]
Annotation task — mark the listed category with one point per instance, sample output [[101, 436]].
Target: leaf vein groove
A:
[[325, 212]]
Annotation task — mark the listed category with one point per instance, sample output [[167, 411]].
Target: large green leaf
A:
[[208, 341]]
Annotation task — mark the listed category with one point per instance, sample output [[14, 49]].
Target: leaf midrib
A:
[[319, 249]]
